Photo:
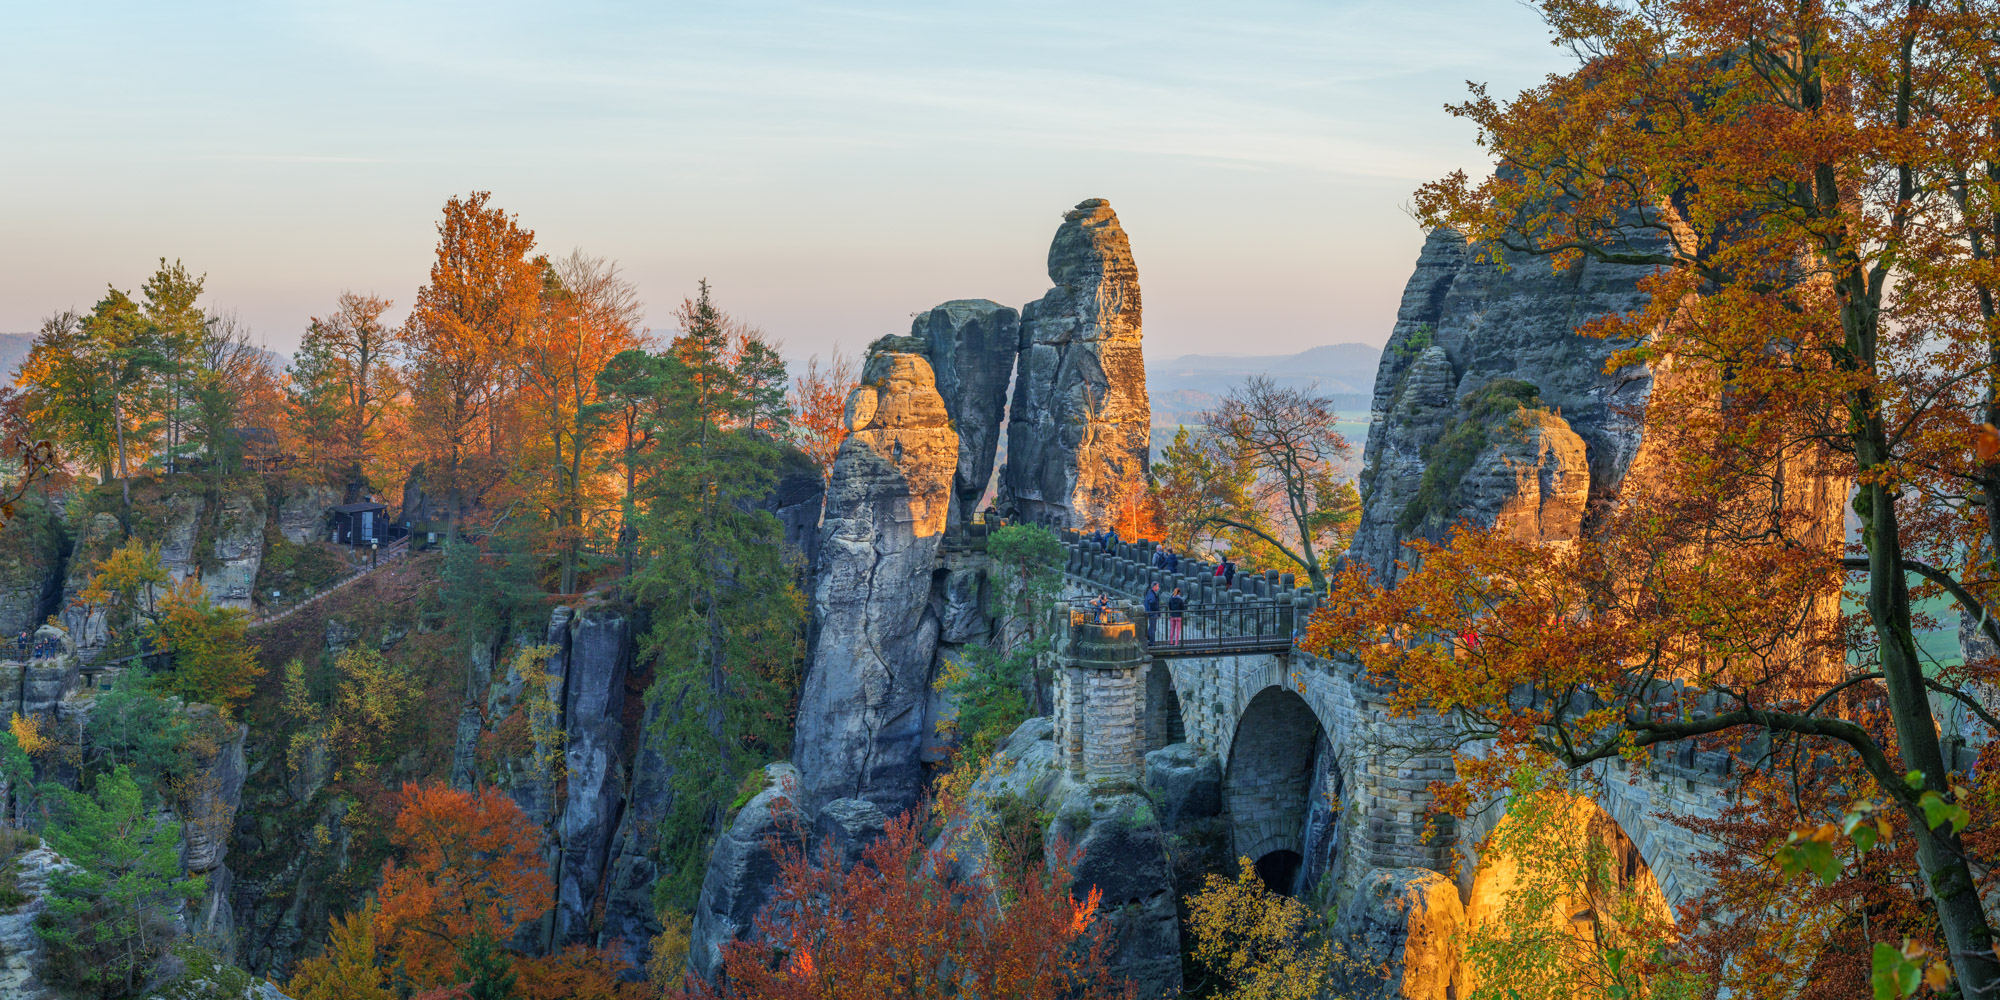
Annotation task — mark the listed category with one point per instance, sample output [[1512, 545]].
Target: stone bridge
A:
[[1320, 780]]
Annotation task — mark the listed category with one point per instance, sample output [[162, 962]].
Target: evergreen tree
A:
[[727, 621], [111, 915], [485, 970]]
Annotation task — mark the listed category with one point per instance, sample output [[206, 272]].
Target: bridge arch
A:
[[1267, 783]]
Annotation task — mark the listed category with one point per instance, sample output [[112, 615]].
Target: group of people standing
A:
[[1176, 604], [42, 650]]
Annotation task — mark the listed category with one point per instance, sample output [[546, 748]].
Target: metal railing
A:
[[1232, 627]]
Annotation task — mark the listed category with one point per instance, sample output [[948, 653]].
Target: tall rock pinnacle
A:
[[861, 717], [1079, 433], [971, 344]]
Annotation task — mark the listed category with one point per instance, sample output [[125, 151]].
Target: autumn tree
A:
[[1817, 190], [124, 588], [470, 864], [818, 403], [898, 924], [1267, 467], [213, 662], [483, 296], [349, 967], [1254, 944], [345, 377], [86, 379], [590, 315]]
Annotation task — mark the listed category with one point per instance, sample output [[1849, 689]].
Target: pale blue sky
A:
[[831, 168]]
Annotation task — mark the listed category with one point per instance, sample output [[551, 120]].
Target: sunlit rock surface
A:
[[1464, 324], [1079, 431], [861, 716]]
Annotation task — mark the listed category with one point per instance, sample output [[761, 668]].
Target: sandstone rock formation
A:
[[972, 344], [20, 943], [861, 716], [600, 648], [1079, 431], [32, 548], [1464, 325], [1401, 934], [743, 869]]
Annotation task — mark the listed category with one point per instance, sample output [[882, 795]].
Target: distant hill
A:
[[1184, 386]]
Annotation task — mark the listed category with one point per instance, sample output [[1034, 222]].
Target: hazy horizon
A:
[[831, 170]]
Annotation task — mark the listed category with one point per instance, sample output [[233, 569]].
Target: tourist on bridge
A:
[[1175, 605], [1226, 569], [1152, 609], [1102, 605], [1160, 556]]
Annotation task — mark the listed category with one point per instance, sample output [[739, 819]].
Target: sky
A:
[[831, 169]]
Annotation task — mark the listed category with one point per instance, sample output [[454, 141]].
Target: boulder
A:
[[594, 765], [972, 344], [743, 869], [301, 513], [230, 576], [1186, 781], [1532, 482], [850, 825], [1399, 936], [1079, 432], [861, 719]]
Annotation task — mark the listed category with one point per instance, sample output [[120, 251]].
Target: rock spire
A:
[[1078, 436]]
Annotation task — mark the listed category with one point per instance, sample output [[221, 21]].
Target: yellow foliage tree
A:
[[124, 585], [28, 735], [371, 705], [213, 660], [1258, 944], [347, 969]]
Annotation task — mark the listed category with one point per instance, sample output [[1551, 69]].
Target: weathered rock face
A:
[[1078, 435], [972, 346], [796, 500], [861, 717], [20, 944], [600, 651], [743, 870], [1124, 845], [32, 549], [1532, 481], [1464, 325], [1402, 926], [301, 514]]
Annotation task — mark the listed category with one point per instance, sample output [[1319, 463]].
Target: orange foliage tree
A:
[[471, 864], [590, 314], [1817, 190], [483, 296], [898, 924], [818, 402]]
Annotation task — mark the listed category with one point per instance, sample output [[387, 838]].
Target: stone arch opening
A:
[[1558, 862], [1163, 723], [1268, 782], [1280, 870]]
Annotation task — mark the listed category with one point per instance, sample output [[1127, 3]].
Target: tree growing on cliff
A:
[[483, 295], [1817, 189], [590, 314], [898, 924], [213, 661], [345, 377], [348, 968], [818, 404], [728, 632], [110, 917]]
